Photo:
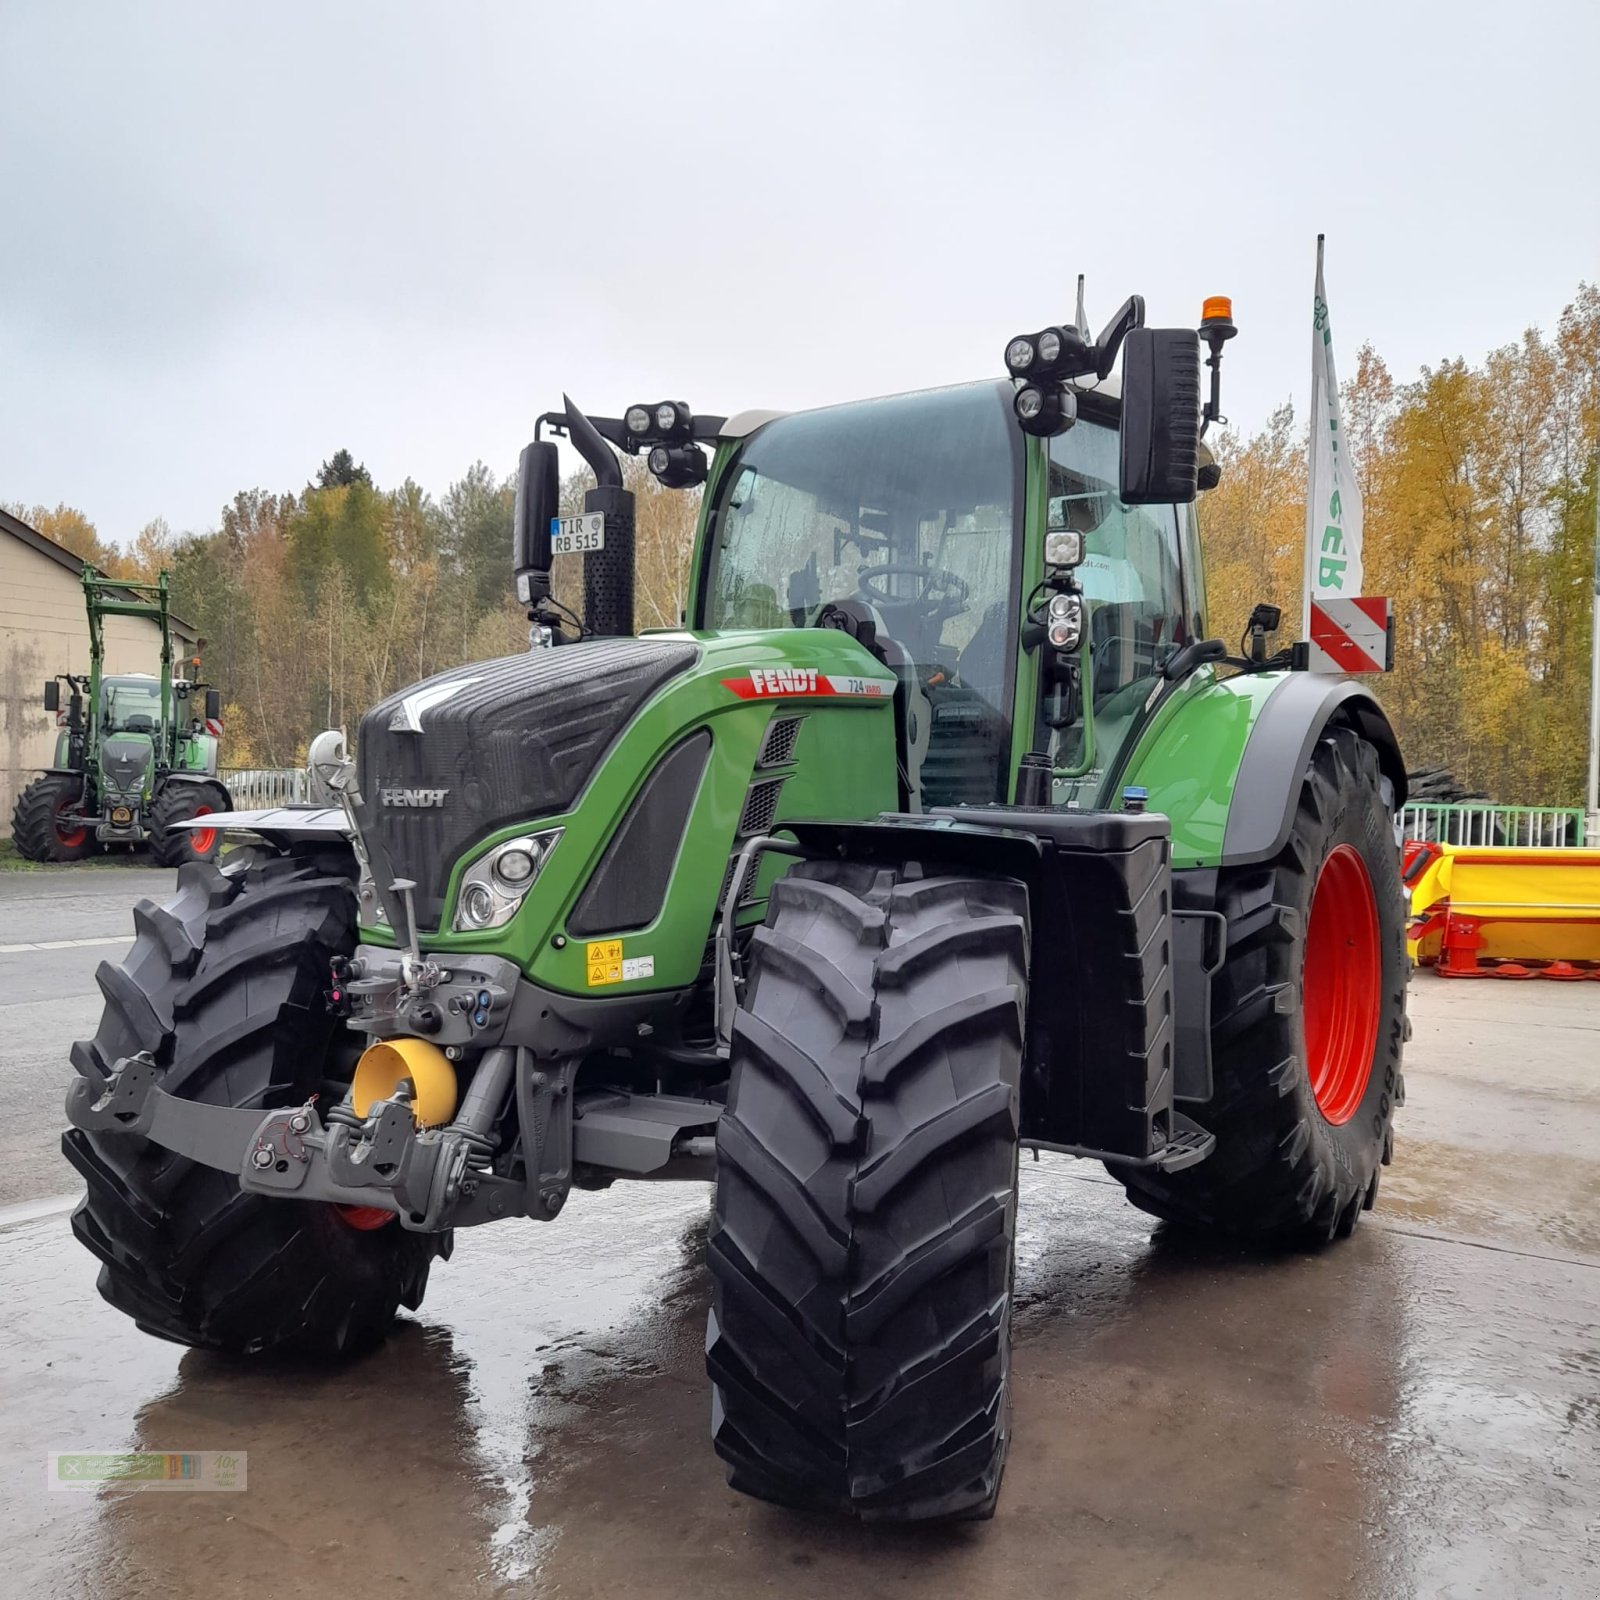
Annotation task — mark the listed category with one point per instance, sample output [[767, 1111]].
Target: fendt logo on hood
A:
[[420, 798]]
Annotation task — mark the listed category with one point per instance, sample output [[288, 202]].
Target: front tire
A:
[[224, 985], [182, 802], [41, 827], [1308, 1021], [862, 1244]]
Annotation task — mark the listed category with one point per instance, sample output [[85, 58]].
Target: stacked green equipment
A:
[[136, 755], [941, 830]]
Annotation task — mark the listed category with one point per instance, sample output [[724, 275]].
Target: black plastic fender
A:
[[1275, 755], [198, 777]]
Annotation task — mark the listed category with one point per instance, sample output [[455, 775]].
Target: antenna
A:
[[1083, 316]]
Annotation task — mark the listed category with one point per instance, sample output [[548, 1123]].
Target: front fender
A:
[[1224, 758], [201, 777]]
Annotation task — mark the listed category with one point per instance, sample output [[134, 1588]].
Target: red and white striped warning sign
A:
[[214, 727], [1351, 635]]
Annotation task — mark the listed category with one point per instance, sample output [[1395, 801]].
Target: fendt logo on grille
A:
[[412, 797]]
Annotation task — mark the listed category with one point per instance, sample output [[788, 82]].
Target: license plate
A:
[[576, 536]]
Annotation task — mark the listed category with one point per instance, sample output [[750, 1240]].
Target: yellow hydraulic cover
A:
[[1471, 904]]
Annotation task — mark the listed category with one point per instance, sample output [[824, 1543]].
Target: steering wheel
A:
[[940, 593]]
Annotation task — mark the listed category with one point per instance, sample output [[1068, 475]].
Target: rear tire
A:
[[36, 828], [1308, 1022], [179, 802], [224, 986], [862, 1243]]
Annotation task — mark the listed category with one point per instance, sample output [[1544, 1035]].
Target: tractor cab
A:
[[132, 704], [915, 524]]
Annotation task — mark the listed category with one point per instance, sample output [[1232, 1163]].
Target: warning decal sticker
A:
[[604, 957], [605, 963]]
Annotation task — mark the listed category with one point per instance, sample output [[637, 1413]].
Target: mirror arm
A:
[[1130, 315]]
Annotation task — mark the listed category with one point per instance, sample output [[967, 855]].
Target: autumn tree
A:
[[71, 529]]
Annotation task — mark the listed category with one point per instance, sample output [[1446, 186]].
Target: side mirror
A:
[[52, 696], [1160, 416], [538, 500], [213, 705]]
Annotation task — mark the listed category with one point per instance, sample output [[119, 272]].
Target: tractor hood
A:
[[125, 762], [449, 760], [641, 751]]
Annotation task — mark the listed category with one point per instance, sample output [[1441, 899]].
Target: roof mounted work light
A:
[[1045, 409], [677, 466], [666, 422], [1050, 353]]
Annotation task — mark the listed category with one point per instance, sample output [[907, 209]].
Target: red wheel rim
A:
[[70, 837], [1342, 985], [364, 1218], [204, 838]]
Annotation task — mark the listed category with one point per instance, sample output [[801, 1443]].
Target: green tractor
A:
[[941, 830], [136, 755]]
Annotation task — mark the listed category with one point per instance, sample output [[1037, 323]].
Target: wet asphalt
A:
[[1415, 1412]]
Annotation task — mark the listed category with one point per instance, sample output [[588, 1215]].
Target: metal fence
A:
[[257, 788], [1478, 822]]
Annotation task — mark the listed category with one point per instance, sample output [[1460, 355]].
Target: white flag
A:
[[1333, 502]]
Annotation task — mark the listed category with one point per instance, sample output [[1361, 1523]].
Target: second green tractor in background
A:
[[136, 754]]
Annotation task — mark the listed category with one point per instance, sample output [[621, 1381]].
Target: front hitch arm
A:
[[422, 1175]]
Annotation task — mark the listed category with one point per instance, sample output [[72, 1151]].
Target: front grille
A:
[[777, 748], [760, 807], [124, 763]]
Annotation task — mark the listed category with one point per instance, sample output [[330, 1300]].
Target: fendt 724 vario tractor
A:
[[136, 754], [940, 831]]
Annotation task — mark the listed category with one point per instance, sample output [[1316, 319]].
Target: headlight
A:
[[497, 883], [477, 907], [1030, 402], [514, 864], [1019, 355], [666, 416], [1049, 345], [1063, 548], [637, 421], [659, 459]]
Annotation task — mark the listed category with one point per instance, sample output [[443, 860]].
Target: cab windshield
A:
[[895, 520], [130, 705]]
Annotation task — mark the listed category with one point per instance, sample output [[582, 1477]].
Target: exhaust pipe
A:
[[607, 573]]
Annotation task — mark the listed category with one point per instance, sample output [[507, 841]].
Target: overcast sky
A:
[[235, 238]]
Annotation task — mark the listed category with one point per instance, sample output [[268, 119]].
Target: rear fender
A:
[[1224, 759], [1290, 722]]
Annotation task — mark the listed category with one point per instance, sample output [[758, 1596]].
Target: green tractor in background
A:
[[136, 755], [942, 830]]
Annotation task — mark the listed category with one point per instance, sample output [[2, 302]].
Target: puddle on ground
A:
[[1399, 1415]]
